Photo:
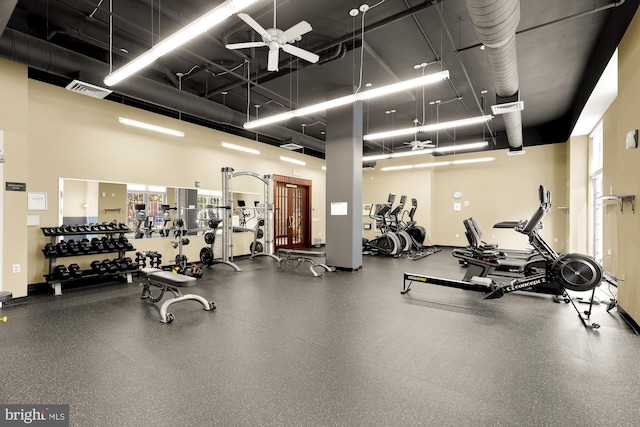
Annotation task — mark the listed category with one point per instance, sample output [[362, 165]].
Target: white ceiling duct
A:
[[495, 23]]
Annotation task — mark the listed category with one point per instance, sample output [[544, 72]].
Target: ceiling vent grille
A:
[[291, 146], [88, 89], [509, 107]]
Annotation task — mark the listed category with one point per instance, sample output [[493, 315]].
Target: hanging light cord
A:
[[364, 12]]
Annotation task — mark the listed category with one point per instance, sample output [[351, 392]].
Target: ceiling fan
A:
[[275, 39], [416, 144]]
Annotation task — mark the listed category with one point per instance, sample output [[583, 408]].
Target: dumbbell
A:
[[84, 245], [97, 244], [108, 243], [61, 248], [60, 272], [97, 267], [74, 271], [72, 246], [127, 244], [141, 259], [50, 250], [110, 266]]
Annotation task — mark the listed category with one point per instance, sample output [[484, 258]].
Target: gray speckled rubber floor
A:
[[346, 349]]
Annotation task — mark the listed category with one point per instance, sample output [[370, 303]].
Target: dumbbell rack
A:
[[56, 283]]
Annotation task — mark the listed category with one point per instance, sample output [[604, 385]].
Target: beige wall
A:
[[376, 186], [622, 230], [14, 123], [73, 136], [112, 201], [505, 189]]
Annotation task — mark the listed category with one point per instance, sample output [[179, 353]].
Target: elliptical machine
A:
[[388, 243]]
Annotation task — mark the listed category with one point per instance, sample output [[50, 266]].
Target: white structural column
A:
[[344, 185]]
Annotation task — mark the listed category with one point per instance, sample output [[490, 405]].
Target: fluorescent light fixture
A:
[[290, 160], [350, 99], [156, 189], [478, 160], [240, 148], [461, 147], [507, 107], [194, 29], [441, 150], [428, 128], [148, 126], [435, 164], [431, 164], [376, 157], [396, 168]]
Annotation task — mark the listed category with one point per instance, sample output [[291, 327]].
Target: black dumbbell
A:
[[60, 272], [97, 244], [108, 243], [72, 246], [74, 271], [110, 266], [50, 250], [61, 248], [97, 267]]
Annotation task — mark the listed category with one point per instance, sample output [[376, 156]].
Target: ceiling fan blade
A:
[[245, 45], [293, 33], [253, 24], [304, 54], [272, 65]]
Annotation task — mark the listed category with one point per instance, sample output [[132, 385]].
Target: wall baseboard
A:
[[632, 323]]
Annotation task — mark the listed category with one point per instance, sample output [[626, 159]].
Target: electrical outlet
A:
[[16, 268], [555, 240], [457, 235], [609, 253]]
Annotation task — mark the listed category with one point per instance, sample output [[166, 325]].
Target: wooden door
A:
[[292, 219]]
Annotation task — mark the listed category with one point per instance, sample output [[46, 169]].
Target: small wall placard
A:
[[37, 201]]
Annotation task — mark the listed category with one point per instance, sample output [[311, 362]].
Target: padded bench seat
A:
[[292, 258], [168, 281]]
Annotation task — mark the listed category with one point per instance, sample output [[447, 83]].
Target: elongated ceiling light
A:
[[434, 164], [149, 126], [439, 150], [240, 148], [290, 160], [428, 128], [192, 30], [350, 99]]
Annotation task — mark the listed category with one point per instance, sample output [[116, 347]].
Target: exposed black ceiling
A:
[[562, 48]]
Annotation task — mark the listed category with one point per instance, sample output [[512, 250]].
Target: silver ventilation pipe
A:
[[6, 10], [48, 57], [495, 23]]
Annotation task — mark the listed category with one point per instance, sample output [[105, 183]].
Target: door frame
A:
[[303, 183]]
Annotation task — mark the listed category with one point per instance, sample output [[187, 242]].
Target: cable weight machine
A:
[[265, 224]]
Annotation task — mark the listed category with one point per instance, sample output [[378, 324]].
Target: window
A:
[[596, 143], [149, 196]]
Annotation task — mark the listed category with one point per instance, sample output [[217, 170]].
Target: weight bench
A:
[[168, 281], [286, 258]]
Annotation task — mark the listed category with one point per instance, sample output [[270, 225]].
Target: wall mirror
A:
[[148, 210]]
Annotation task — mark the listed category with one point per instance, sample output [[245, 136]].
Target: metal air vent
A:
[[88, 89], [508, 107], [291, 146]]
